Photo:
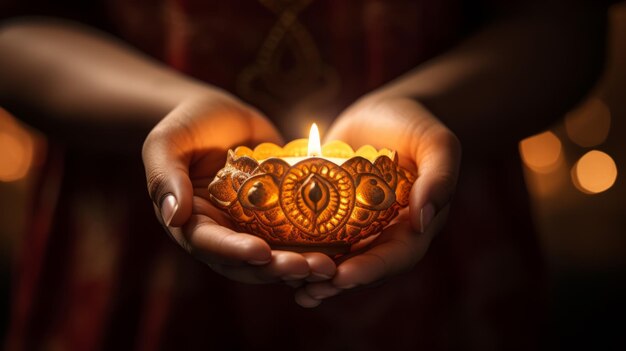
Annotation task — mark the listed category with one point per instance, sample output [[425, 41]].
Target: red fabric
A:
[[97, 271]]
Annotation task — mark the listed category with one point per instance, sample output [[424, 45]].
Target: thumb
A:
[[168, 180], [197, 125], [410, 129], [438, 158]]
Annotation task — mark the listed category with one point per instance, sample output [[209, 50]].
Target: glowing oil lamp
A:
[[308, 197]]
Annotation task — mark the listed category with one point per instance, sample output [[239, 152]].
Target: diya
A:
[[306, 197]]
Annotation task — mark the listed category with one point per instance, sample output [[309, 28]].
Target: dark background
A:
[[583, 235]]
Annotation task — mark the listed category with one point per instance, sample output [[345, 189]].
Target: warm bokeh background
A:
[[575, 173]]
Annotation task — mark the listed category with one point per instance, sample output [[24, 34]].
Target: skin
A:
[[485, 94]]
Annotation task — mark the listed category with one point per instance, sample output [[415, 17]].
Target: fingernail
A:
[[319, 296], [310, 304], [260, 263], [326, 294], [426, 215], [295, 276], [169, 206]]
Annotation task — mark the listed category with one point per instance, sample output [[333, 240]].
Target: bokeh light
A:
[[594, 172], [17, 149], [589, 124], [541, 152]]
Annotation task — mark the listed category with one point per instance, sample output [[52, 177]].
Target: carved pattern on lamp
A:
[[314, 204]]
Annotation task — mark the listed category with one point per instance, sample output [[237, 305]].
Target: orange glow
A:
[[541, 152], [323, 204], [589, 124], [315, 147], [594, 173], [17, 148]]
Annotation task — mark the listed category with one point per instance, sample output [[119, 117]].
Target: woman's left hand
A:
[[423, 142]]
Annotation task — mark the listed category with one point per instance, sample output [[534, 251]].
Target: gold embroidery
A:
[[288, 70]]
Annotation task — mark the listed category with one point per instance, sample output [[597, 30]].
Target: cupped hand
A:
[[423, 143], [181, 156]]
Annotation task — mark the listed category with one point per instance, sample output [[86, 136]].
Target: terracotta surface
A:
[[315, 204]]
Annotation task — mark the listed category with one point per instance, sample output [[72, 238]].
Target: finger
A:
[[312, 294], [184, 137], [211, 242], [167, 163], [284, 266], [438, 159], [305, 300], [321, 266], [395, 251], [321, 290]]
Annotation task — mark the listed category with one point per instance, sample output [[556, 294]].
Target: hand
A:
[[422, 142], [181, 156]]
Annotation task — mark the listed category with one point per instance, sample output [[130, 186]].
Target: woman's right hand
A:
[[181, 156]]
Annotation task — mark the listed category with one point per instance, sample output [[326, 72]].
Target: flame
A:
[[315, 147]]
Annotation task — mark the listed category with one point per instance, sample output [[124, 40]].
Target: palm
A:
[[182, 155], [422, 142]]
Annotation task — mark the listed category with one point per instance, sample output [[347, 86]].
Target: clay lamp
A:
[[306, 197]]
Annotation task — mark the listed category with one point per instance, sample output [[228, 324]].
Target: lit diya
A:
[[307, 197]]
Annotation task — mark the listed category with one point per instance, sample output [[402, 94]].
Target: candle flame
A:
[[315, 147]]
